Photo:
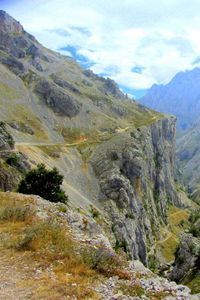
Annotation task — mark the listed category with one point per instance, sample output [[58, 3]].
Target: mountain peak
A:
[[9, 24]]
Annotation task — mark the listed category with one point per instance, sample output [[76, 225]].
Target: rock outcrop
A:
[[56, 99], [136, 177], [9, 177], [187, 262], [8, 24], [188, 154], [6, 140]]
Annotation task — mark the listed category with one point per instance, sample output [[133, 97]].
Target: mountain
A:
[[117, 157], [180, 97]]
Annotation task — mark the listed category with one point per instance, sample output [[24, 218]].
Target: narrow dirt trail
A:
[[168, 236], [14, 272], [50, 144]]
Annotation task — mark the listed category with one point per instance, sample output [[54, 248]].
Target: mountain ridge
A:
[[117, 157]]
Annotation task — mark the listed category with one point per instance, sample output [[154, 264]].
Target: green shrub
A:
[[195, 231], [182, 222], [13, 160], [194, 216], [152, 264], [195, 220], [45, 183], [121, 245], [94, 212]]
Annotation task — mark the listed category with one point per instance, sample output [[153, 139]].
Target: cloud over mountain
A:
[[114, 38]]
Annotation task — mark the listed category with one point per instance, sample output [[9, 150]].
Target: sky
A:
[[137, 43]]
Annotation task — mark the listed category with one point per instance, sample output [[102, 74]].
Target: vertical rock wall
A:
[[136, 177]]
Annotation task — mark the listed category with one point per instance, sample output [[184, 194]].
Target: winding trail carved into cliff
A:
[[168, 236]]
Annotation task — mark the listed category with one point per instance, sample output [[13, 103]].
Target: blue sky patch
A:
[[136, 93], [81, 59], [137, 69]]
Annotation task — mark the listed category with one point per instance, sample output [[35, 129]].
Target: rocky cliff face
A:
[[188, 154], [8, 24], [136, 177], [6, 140], [187, 262], [12, 163]]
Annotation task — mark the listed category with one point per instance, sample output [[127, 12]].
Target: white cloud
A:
[[161, 37]]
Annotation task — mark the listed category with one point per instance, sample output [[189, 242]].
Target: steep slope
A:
[[180, 97], [187, 258], [188, 152], [117, 157]]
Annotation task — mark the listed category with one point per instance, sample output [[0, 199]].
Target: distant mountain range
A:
[[180, 97]]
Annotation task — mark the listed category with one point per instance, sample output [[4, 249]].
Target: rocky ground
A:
[[23, 276]]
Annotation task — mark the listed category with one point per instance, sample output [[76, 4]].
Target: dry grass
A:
[[8, 93], [52, 150], [16, 208], [67, 267], [53, 247], [176, 215], [168, 247], [21, 113], [47, 244]]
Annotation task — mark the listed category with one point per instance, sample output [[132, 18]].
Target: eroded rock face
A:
[[9, 177], [64, 84], [111, 86], [6, 140], [13, 64], [8, 24], [136, 175], [17, 44], [56, 99], [187, 259]]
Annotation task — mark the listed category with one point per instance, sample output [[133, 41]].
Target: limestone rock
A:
[[8, 24], [6, 140], [55, 98], [187, 261], [136, 176]]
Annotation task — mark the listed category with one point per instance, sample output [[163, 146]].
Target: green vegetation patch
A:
[[177, 223], [51, 150], [194, 285], [45, 183], [23, 114]]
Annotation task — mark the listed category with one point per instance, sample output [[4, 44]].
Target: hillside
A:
[[117, 157]]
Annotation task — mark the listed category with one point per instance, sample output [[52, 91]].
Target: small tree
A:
[[45, 183]]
